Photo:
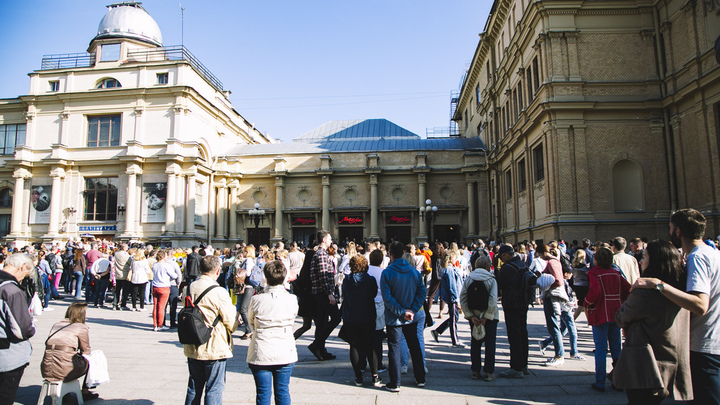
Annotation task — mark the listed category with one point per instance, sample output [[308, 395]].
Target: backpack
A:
[[239, 276], [50, 257], [565, 263], [528, 285], [191, 326], [256, 276], [478, 296]]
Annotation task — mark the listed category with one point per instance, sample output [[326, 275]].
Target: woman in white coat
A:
[[272, 353]]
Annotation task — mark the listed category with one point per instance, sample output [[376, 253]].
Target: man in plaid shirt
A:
[[322, 275]]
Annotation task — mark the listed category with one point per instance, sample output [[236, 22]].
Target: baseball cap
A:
[[505, 249]]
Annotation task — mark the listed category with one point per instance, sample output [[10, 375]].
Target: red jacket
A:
[[608, 290]]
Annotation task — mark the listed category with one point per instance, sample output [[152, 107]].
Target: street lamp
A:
[[258, 216], [427, 213]]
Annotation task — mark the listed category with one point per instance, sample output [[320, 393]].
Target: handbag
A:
[[97, 369], [35, 307]]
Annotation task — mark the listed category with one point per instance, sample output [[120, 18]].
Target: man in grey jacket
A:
[[16, 325]]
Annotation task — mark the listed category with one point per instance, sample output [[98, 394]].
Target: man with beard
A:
[[687, 228]]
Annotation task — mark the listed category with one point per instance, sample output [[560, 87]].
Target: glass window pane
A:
[[10, 139], [92, 132], [104, 133], [89, 206], [112, 205], [2, 137], [20, 138], [100, 206], [115, 132], [101, 183]]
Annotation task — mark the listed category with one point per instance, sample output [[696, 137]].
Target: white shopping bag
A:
[[35, 307], [97, 369]]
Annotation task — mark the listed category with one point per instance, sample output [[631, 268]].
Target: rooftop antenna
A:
[[182, 26]]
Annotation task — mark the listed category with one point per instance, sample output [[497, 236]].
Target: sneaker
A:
[[475, 375], [114, 308], [135, 310], [577, 357], [48, 309], [435, 335], [164, 328], [555, 361], [403, 369], [155, 329], [392, 388], [542, 347], [142, 309], [359, 381], [512, 374], [124, 308], [377, 381], [597, 388], [382, 370], [420, 384], [459, 345], [426, 370], [490, 377]]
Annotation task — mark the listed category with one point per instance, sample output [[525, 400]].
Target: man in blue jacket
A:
[[403, 293]]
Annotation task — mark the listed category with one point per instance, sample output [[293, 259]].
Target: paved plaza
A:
[[148, 367]]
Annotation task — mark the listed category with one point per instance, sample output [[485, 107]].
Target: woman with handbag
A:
[[139, 277], [79, 264], [69, 339], [608, 290], [248, 291], [655, 362]]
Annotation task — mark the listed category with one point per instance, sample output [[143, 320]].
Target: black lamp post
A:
[[427, 213], [258, 216]]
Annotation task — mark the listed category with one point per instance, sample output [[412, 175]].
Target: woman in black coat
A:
[[302, 287], [358, 314]]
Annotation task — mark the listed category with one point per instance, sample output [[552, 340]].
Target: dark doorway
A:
[[263, 233], [446, 233], [303, 235], [350, 234], [399, 233]]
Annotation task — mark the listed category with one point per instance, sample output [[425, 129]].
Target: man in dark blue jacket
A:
[[16, 326], [403, 293], [509, 280]]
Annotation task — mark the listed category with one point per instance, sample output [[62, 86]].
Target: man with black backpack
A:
[[513, 280], [207, 361]]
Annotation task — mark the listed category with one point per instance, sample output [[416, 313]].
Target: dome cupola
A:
[[128, 19]]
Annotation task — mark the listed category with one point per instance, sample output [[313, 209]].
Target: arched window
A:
[[108, 83], [628, 192], [6, 196]]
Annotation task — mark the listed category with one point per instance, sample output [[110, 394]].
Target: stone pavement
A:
[[148, 367]]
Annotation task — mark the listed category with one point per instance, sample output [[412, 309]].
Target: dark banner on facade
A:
[[300, 221], [40, 204], [154, 198], [397, 219], [350, 220]]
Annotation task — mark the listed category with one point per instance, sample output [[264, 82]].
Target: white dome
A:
[[129, 20]]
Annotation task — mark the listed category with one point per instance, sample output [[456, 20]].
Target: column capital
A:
[[422, 178], [172, 168], [279, 181], [234, 184], [133, 169], [325, 180], [58, 172], [373, 180], [22, 173], [220, 183]]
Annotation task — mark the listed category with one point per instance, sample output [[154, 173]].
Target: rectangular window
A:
[[54, 85], [487, 67], [508, 184], [104, 131], [11, 135], [492, 189], [479, 129], [520, 95], [529, 86], [539, 162], [101, 199], [536, 73], [110, 53], [515, 105], [522, 176], [162, 78], [477, 93]]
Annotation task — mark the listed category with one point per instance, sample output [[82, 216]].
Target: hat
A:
[[505, 249]]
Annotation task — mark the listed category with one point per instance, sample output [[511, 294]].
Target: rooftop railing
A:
[[170, 53]]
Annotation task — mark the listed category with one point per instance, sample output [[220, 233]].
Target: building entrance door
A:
[[446, 233], [350, 234], [263, 233], [303, 235], [398, 233]]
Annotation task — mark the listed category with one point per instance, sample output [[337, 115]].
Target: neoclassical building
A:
[[600, 118], [133, 140]]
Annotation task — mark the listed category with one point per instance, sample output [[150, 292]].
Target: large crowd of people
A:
[[384, 296]]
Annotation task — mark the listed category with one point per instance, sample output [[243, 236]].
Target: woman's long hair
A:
[[665, 263]]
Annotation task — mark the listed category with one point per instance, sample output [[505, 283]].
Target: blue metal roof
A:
[[374, 135]]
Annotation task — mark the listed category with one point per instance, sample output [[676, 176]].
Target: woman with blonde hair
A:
[[139, 277], [69, 339], [247, 292], [580, 280], [351, 251]]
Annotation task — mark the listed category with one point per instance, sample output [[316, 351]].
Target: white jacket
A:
[[272, 314], [492, 310]]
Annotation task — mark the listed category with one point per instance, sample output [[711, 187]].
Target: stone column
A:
[[472, 229], [326, 202], [279, 184], [220, 204], [422, 232], [130, 203], [573, 61], [170, 202], [18, 205], [57, 175], [233, 209], [190, 207], [373, 207]]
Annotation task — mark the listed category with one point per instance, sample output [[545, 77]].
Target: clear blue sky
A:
[[291, 65]]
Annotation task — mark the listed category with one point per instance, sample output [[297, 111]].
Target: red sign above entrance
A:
[[348, 220], [303, 220], [398, 219]]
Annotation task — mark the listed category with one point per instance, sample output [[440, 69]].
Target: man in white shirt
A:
[[626, 262], [687, 228]]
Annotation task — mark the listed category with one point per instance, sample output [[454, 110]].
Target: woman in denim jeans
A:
[[272, 353], [608, 290]]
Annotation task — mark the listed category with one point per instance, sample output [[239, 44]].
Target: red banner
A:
[[348, 220], [398, 219], [303, 220]]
